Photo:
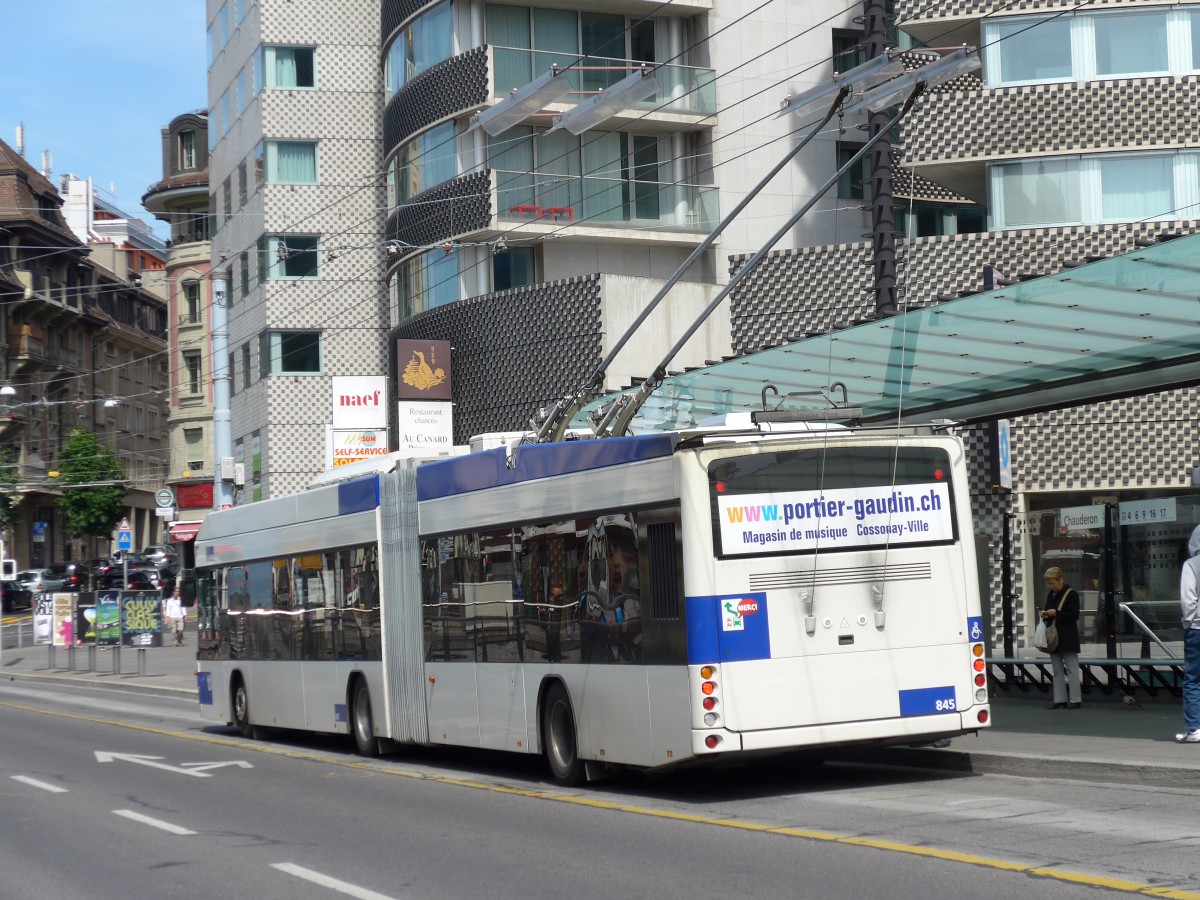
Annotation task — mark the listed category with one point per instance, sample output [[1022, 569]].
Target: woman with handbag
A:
[[1062, 611]]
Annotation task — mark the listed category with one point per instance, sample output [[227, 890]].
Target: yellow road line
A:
[[985, 862]]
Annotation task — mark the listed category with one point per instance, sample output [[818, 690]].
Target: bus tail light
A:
[[713, 741], [710, 702], [982, 716]]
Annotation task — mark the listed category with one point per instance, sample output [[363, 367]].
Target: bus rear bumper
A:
[[912, 729]]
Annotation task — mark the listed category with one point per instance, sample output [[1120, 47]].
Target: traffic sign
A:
[[164, 497], [124, 526], [124, 540]]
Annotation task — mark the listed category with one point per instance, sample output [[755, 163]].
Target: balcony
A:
[[686, 95], [567, 203]]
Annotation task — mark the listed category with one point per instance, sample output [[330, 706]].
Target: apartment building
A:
[[358, 202], [83, 341], [1075, 142], [181, 199]]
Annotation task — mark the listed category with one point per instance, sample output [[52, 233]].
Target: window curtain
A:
[[281, 66], [508, 26], [291, 162], [1045, 192], [603, 199], [1137, 188]]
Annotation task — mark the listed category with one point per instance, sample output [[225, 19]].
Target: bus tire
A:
[[241, 709], [362, 724], [559, 739]]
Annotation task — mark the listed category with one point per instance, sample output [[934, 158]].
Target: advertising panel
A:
[[43, 619], [141, 619], [359, 402], [107, 615], [424, 426], [798, 521], [423, 370], [353, 446]]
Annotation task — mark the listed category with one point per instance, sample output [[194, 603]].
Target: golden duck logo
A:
[[420, 374]]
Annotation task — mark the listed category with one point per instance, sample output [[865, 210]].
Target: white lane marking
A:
[[155, 823], [33, 782], [332, 883]]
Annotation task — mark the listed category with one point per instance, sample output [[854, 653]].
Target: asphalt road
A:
[[114, 795]]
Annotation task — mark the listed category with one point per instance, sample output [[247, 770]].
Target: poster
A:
[[106, 617], [63, 621], [43, 619], [141, 619]]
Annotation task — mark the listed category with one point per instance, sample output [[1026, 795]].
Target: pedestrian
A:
[[1062, 608], [176, 616], [1189, 580]]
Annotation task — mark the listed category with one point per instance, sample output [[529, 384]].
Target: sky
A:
[[95, 82]]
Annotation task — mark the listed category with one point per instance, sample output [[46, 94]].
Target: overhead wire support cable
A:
[[555, 425], [621, 412]]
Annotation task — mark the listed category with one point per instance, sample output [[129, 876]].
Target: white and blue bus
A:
[[643, 601]]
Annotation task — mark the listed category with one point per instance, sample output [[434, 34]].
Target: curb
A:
[[109, 681], [1079, 768]]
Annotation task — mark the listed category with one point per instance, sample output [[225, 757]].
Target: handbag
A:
[[1045, 636]]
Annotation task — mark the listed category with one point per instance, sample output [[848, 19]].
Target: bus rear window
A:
[[836, 498]]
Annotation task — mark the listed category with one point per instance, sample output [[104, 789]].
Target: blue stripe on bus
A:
[[478, 471], [204, 688], [358, 495], [718, 633]]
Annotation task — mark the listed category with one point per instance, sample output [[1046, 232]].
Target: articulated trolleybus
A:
[[643, 601]]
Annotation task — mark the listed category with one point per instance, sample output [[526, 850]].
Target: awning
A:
[[182, 532]]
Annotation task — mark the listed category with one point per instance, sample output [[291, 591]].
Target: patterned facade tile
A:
[[442, 91]]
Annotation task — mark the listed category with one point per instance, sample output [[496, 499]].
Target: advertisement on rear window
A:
[[804, 521]]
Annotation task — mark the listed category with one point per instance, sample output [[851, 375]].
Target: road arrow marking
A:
[[204, 767], [194, 769]]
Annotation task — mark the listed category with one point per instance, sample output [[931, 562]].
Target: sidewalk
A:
[[1105, 740]]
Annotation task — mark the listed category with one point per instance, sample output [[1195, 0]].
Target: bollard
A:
[[51, 661], [71, 658], [91, 658], [117, 659], [141, 661]]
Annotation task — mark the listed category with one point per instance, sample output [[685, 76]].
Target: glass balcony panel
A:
[[685, 90], [565, 199]]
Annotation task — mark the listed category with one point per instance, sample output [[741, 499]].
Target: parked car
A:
[[138, 581], [168, 576], [14, 595], [40, 581], [161, 554], [75, 576]]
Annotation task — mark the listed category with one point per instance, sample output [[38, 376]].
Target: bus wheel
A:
[[558, 737], [241, 710], [361, 721]]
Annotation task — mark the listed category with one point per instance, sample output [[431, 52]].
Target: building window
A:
[[227, 199], [1090, 46], [849, 49], [232, 374], [245, 366], [290, 353], [852, 183], [244, 259], [289, 67], [288, 256], [424, 162], [513, 268], [186, 150], [286, 162], [241, 170], [425, 41], [192, 372], [194, 440], [191, 302], [425, 281]]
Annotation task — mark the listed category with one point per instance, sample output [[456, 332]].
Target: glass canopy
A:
[[1111, 328]]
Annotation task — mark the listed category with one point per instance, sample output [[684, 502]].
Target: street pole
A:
[[222, 416], [883, 227]]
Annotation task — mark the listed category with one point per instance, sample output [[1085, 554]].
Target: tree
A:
[[94, 508], [10, 502]]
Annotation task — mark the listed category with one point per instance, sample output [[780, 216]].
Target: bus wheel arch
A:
[[362, 719], [560, 735]]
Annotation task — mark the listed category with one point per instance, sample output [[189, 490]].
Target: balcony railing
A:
[[685, 90], [574, 199]]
